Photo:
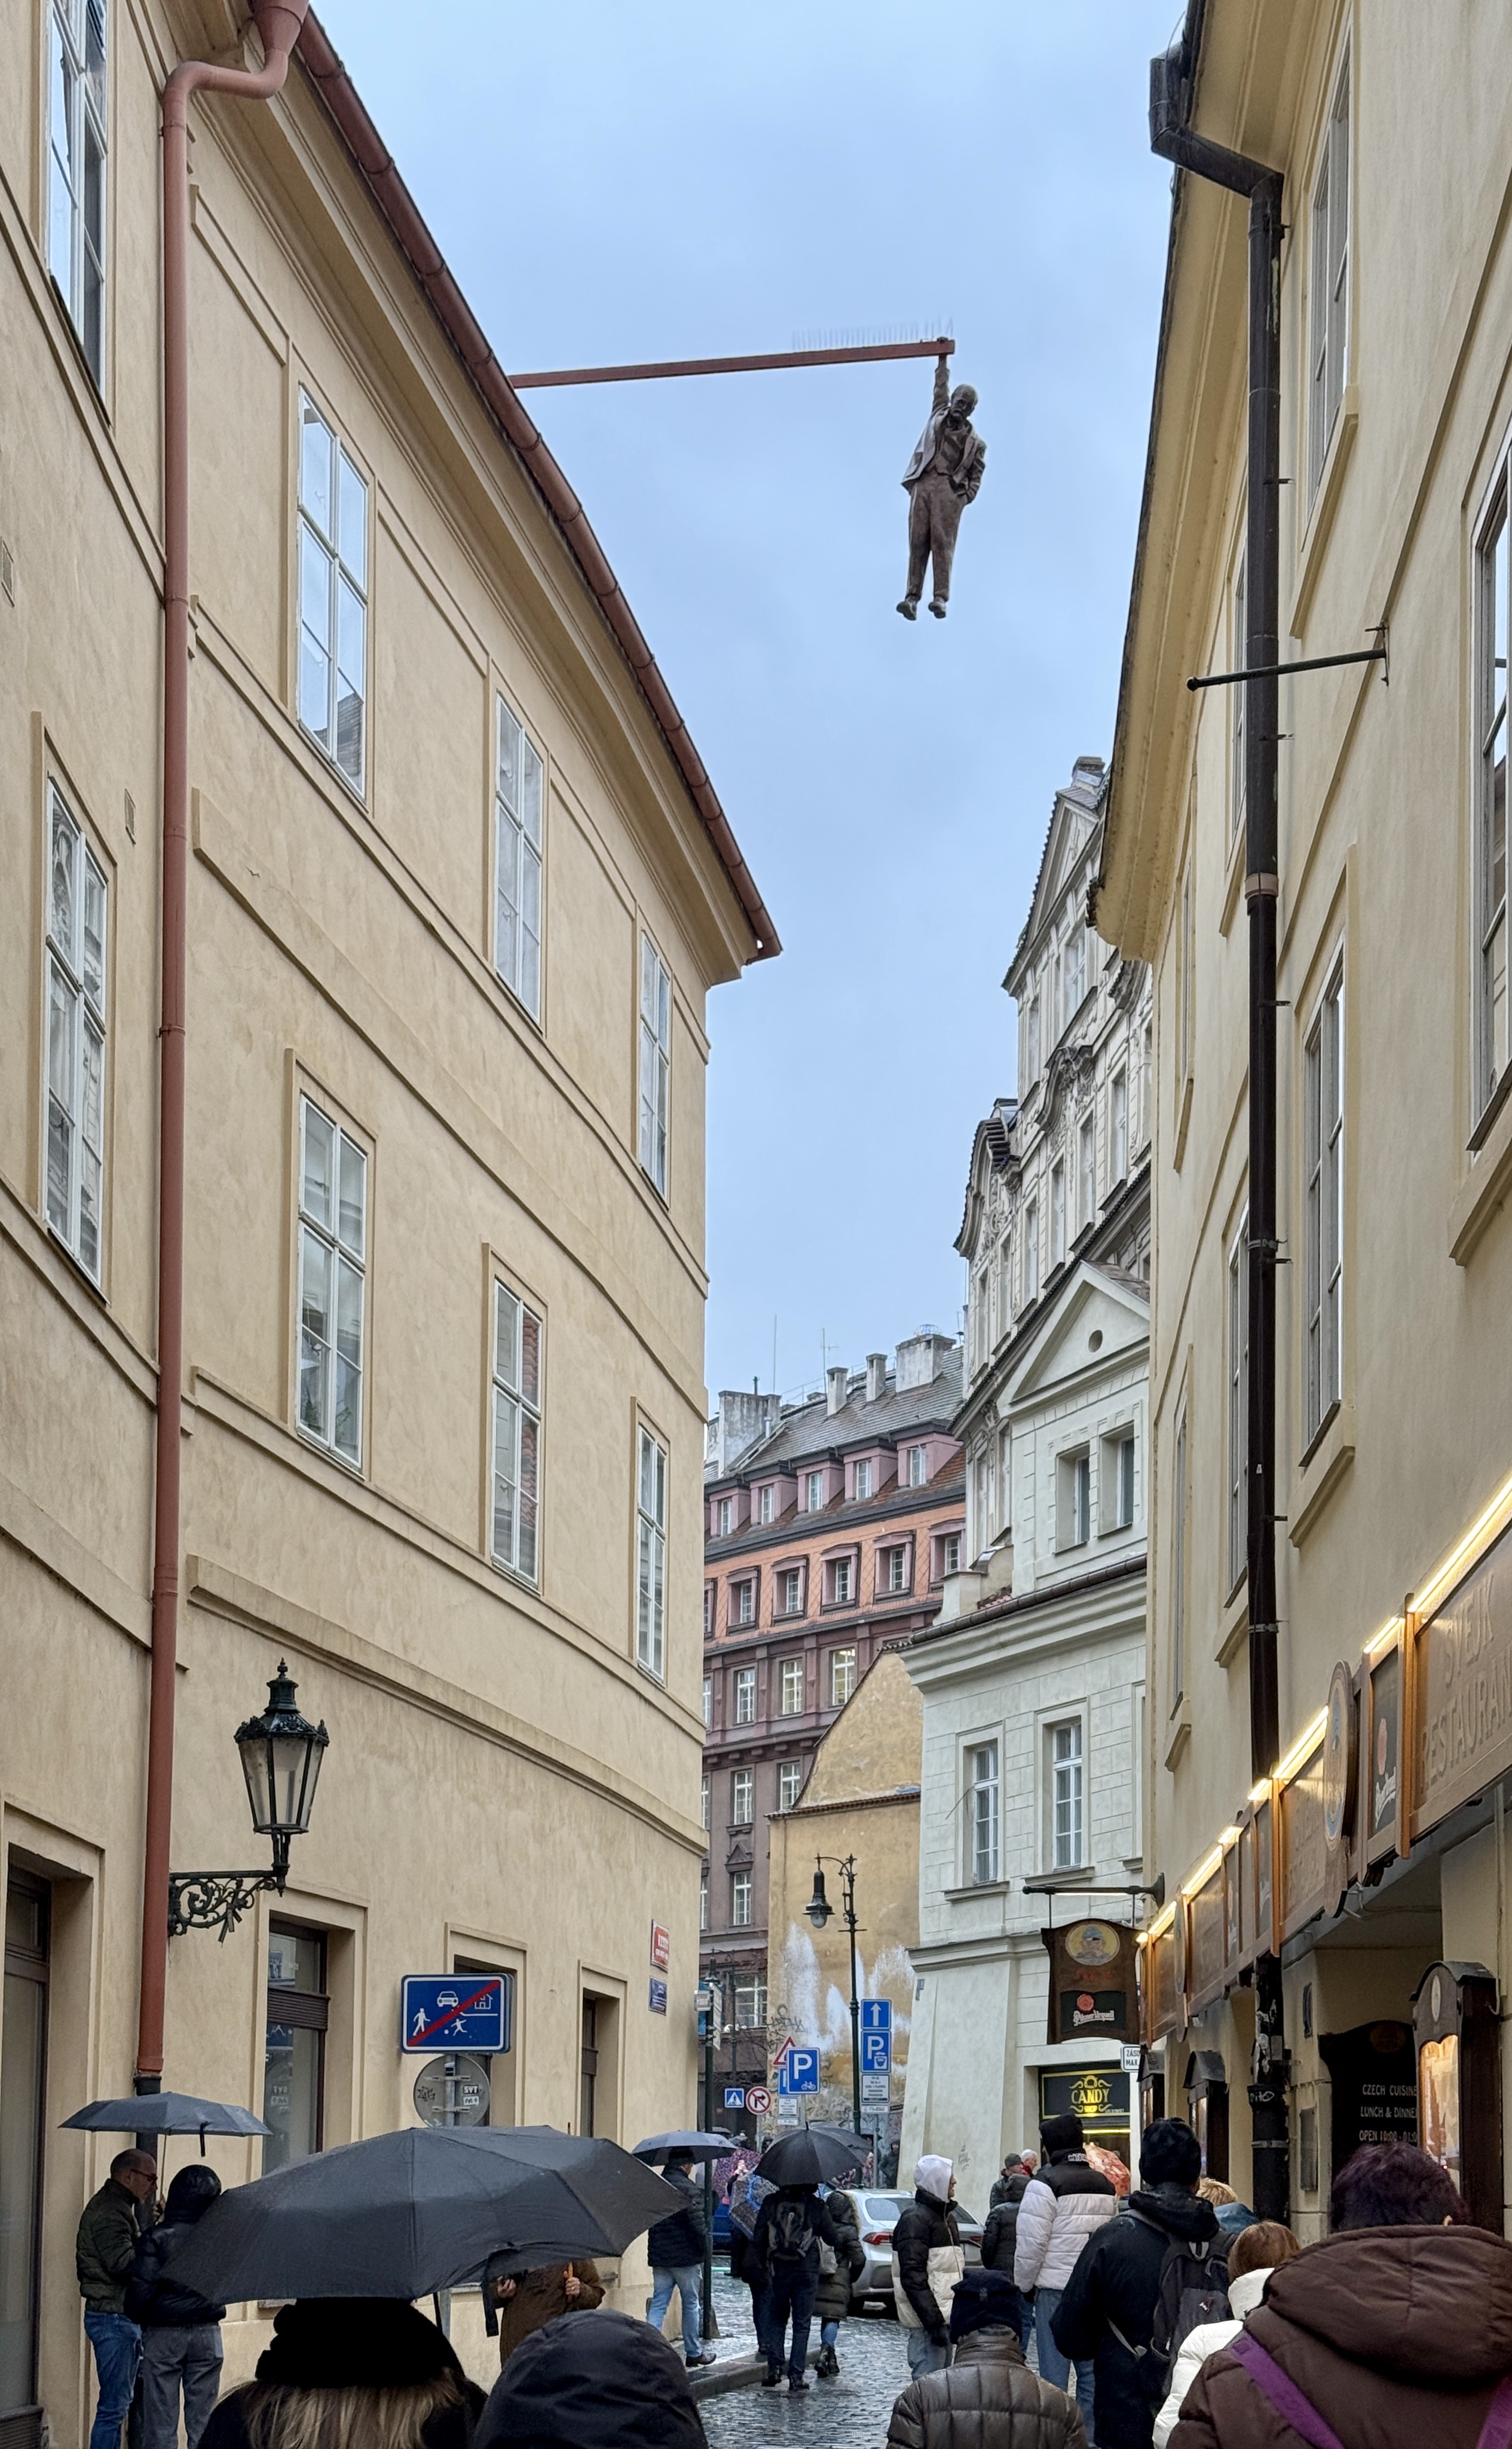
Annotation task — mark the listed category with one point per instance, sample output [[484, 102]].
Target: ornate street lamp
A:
[[819, 1910], [281, 1761]]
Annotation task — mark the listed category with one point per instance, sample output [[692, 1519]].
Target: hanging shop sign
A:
[[1383, 1774], [1098, 2095], [1304, 1847], [1373, 2075], [1464, 1671], [1092, 1992], [1459, 2082]]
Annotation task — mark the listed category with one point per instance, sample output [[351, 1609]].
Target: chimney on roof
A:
[[739, 1424], [921, 1358], [837, 1383], [1087, 769], [876, 1375]]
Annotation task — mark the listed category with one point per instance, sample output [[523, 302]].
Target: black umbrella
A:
[[408, 2213], [166, 2113], [685, 2144], [814, 2155]]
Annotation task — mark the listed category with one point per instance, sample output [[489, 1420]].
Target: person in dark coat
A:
[[608, 2384], [1000, 2235], [791, 2226], [1108, 2307], [1008, 2187], [833, 2301], [515, 2303], [104, 2249], [988, 2399], [927, 2262], [746, 2195], [1396, 2329], [348, 2370], [180, 2330], [677, 2246]]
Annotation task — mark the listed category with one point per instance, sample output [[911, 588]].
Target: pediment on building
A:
[[1094, 1301], [1069, 859]]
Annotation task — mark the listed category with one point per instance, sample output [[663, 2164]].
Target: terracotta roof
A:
[[376, 165]]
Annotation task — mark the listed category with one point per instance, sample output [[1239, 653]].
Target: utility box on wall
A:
[[1458, 2068]]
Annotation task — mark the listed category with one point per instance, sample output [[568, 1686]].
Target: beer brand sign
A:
[[1092, 1981], [1464, 1690]]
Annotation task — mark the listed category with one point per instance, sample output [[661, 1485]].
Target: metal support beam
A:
[[659, 370], [1305, 664]]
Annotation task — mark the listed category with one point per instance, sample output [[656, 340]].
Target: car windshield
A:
[[882, 2209]]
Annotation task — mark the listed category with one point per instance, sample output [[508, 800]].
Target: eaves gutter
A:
[[376, 164]]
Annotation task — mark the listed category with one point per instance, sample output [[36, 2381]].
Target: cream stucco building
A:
[[458, 889], [1368, 1851]]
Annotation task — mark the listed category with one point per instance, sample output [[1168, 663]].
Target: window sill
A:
[[977, 1888], [1233, 1623], [328, 1453], [1323, 1466], [1489, 1183], [76, 1266], [1183, 1116], [1321, 514], [1178, 1734], [1234, 878]]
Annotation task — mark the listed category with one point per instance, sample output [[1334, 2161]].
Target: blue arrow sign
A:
[[876, 2014], [798, 2072], [455, 2010]]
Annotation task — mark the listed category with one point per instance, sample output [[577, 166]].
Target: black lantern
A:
[[281, 1761], [819, 1907]]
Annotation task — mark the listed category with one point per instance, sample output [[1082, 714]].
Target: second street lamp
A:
[[819, 1910], [281, 1754]]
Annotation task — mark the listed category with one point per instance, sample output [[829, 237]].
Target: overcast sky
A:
[[673, 180]]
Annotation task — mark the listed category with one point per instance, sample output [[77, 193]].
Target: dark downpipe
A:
[[1171, 96]]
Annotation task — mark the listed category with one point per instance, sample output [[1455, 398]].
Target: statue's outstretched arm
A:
[[942, 382]]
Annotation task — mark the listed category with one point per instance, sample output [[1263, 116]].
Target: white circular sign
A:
[[758, 2100]]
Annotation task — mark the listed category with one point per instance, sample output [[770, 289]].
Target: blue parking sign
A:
[[798, 2072]]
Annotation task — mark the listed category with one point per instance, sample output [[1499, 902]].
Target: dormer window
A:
[[813, 1499], [766, 1503], [863, 1481], [918, 1466], [724, 1516]]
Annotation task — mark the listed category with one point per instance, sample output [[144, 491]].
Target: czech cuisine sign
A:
[[1092, 1982]]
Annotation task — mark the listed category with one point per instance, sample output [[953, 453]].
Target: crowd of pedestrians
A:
[[1161, 2315]]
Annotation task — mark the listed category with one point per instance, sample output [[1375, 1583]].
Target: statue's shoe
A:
[[909, 609], [938, 609]]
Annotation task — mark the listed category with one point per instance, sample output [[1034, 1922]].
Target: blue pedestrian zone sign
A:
[[876, 2035], [798, 2072], [735, 2095], [456, 2011]]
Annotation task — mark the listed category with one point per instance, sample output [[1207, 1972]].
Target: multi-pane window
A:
[[982, 1813], [295, 2037], [1147, 1084], [708, 1610], [1031, 1043], [750, 2004], [1323, 1176], [1057, 1214], [1494, 573], [1238, 700], [1074, 1499], [1178, 1503], [332, 595], [1119, 1126], [1238, 1392], [723, 1517], [790, 1687], [789, 1783], [1121, 1457], [1186, 955], [1004, 1480], [1329, 300], [517, 1335], [840, 1582], [894, 1575], [813, 1499], [842, 1677], [981, 1500], [76, 167], [918, 1466], [950, 1553], [766, 1503], [333, 1263], [1074, 974], [708, 1700], [745, 1696], [862, 1482], [790, 1590], [703, 1898], [517, 797], [1086, 1171], [656, 1062], [1065, 1796], [740, 1899], [651, 1553], [76, 1039], [742, 1797], [705, 1821], [1031, 1251], [744, 1595]]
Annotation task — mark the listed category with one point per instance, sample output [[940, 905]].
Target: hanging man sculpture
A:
[[942, 476]]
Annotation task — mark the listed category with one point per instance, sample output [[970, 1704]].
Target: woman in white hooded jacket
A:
[[1255, 2252]]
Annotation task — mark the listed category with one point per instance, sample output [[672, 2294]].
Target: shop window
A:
[[293, 2063]]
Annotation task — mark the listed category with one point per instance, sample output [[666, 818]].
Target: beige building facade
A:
[[458, 889], [1368, 1857]]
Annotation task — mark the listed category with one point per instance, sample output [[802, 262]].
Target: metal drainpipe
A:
[[279, 23], [1171, 83]]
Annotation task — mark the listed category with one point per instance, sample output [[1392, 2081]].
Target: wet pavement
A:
[[849, 2413]]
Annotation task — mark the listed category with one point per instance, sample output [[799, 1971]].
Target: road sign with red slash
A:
[[468, 2011]]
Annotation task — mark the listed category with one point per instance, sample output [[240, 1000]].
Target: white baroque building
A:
[[1032, 1677]]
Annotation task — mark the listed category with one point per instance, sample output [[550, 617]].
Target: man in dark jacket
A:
[[180, 2330], [1106, 2311], [927, 2262], [676, 2247], [608, 2384], [998, 2236], [1016, 2170], [103, 2253], [791, 2226], [990, 2393]]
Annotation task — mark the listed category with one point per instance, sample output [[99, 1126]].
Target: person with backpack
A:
[[1145, 2280], [1064, 2203], [1254, 2256], [1000, 2236], [840, 2266], [927, 2262], [747, 2194], [791, 2226]]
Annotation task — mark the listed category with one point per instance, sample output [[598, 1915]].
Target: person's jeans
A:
[[1054, 2367], [926, 2355], [117, 2345], [688, 2282], [790, 2291], [187, 2353], [828, 2332]]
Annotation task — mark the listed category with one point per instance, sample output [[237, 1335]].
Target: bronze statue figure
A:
[[942, 476]]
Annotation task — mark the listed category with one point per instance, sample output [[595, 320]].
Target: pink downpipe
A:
[[279, 23]]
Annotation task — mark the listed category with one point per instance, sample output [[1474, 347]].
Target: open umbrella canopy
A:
[[812, 2155], [686, 2144], [166, 2112], [407, 2213]]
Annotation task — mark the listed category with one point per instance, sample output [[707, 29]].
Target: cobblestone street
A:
[[851, 2413]]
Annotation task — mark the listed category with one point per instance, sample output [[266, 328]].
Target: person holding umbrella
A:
[[791, 2226], [677, 2246]]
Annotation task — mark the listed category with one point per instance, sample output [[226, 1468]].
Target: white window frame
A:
[[792, 1688], [1057, 1212], [519, 818], [1087, 1172], [893, 1576], [949, 1553], [918, 1466], [1179, 1479], [842, 1675], [724, 1516], [1119, 1128], [744, 1610], [814, 1480], [1116, 1467], [766, 1504], [703, 1898], [1004, 1481], [1329, 289], [1074, 974], [706, 1799], [652, 1464], [790, 1580], [1031, 1252], [842, 1569], [1492, 628], [981, 1500], [656, 1064], [983, 1814], [1323, 1158], [1073, 1499], [789, 1783], [1066, 1781], [751, 2005], [708, 1700], [745, 1696], [1237, 1386], [741, 1883], [1031, 1042], [518, 1392], [328, 1243], [742, 1798], [330, 663], [861, 1484], [78, 159], [76, 1039]]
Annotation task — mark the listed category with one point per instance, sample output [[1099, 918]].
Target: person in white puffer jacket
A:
[[1063, 2205], [1256, 2251]]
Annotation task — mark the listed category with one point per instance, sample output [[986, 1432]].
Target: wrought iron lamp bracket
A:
[[218, 1899]]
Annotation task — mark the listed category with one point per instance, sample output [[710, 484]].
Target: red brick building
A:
[[829, 1526]]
